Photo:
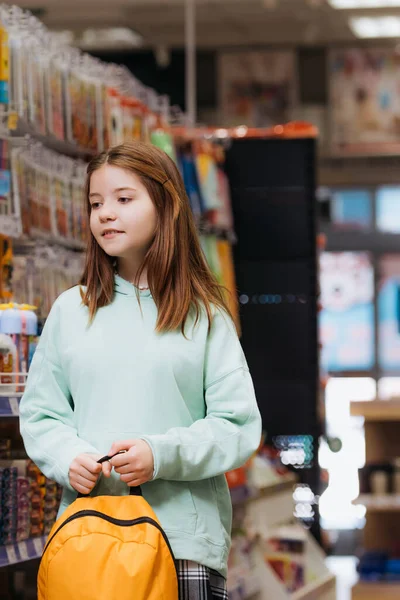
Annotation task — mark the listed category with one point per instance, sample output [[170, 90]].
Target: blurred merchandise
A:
[[285, 552], [364, 98], [29, 502], [49, 189]]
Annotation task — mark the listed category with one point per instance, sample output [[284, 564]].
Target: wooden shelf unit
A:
[[382, 443], [376, 591]]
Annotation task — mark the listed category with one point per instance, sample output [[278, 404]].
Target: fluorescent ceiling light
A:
[[375, 27], [348, 4]]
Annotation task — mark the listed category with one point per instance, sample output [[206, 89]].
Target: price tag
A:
[[38, 545], [14, 405], [12, 121], [23, 550], [11, 555]]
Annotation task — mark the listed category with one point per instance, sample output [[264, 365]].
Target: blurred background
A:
[[284, 119]]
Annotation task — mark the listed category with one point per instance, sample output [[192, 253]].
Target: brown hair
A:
[[177, 272]]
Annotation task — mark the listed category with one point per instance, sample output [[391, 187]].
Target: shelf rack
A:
[[382, 441]]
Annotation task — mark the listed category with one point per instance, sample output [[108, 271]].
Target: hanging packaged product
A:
[[44, 199], [6, 206], [76, 111], [114, 115], [164, 140], [190, 178], [4, 65], [208, 177], [6, 263], [132, 130], [29, 332], [16, 78], [79, 215], [20, 323], [54, 85], [8, 365], [62, 171], [224, 216]]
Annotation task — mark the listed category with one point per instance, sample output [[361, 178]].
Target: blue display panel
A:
[[389, 312], [351, 209], [388, 209], [347, 316]]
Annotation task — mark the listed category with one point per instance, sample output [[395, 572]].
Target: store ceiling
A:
[[220, 23]]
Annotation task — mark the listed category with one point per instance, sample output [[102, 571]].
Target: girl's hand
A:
[[135, 465], [84, 472]]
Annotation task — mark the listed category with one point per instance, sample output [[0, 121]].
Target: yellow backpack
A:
[[106, 548]]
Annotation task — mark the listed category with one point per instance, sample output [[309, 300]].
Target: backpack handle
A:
[[133, 490]]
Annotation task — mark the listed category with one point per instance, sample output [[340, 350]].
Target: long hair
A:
[[178, 275]]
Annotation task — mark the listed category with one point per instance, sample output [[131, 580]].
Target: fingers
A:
[[121, 460], [128, 477], [124, 469], [90, 463], [82, 485], [119, 446], [135, 482], [88, 475], [107, 468]]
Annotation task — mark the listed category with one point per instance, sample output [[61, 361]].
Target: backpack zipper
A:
[[120, 522]]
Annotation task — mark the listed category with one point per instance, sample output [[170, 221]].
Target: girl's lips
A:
[[108, 235]]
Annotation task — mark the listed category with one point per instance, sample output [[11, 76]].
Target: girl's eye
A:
[[95, 205], [124, 200]]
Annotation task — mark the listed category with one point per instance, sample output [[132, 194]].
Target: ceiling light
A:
[[348, 4], [375, 27]]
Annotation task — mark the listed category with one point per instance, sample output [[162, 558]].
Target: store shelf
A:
[[22, 551], [59, 241], [316, 589], [377, 410], [321, 583], [50, 141], [240, 497], [9, 405], [376, 591], [379, 502]]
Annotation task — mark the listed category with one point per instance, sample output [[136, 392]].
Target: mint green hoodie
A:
[[191, 399]]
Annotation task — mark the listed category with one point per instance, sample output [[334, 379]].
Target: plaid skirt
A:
[[197, 582]]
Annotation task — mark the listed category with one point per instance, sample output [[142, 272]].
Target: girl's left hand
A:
[[135, 465]]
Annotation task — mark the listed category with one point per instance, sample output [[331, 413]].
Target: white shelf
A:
[[270, 509], [379, 502], [284, 483], [316, 589], [9, 405], [19, 552]]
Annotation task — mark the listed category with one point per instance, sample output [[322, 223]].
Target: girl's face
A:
[[123, 218]]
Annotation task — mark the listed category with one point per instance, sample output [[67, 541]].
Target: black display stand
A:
[[273, 196]]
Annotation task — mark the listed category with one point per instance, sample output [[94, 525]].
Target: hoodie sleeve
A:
[[231, 429], [46, 409]]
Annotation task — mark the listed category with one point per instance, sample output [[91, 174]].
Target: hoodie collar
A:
[[125, 288]]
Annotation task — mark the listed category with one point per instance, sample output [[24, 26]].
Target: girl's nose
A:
[[106, 216]]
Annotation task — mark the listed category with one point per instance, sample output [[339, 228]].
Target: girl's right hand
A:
[[84, 472]]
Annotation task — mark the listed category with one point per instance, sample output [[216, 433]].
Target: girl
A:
[[143, 357]]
